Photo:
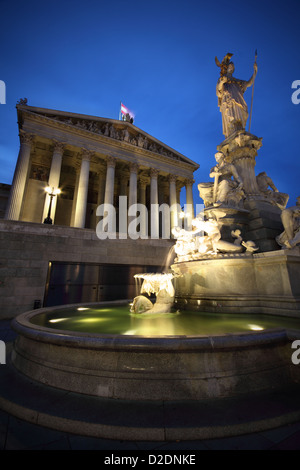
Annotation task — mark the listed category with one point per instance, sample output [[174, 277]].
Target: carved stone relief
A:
[[117, 133]]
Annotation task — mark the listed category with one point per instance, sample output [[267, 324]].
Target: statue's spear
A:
[[252, 94]]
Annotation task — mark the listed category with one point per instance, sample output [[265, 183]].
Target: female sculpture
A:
[[230, 93]]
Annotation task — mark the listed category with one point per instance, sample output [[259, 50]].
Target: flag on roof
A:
[[124, 110], [126, 113]]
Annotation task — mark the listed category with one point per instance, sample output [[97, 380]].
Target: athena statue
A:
[[230, 93]]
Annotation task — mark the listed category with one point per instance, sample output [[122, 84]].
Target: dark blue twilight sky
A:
[[158, 57]]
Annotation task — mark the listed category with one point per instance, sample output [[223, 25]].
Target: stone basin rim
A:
[[22, 325]]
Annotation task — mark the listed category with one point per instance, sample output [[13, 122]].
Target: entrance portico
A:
[[93, 161]]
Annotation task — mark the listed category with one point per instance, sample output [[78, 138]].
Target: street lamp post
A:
[[52, 193]]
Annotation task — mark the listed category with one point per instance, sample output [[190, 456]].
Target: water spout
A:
[[159, 284]]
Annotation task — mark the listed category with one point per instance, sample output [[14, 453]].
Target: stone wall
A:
[[4, 194], [27, 248]]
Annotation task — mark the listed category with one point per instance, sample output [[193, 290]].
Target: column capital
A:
[[86, 154], [172, 178], [179, 185], [26, 138], [189, 181], [143, 181], [133, 167], [58, 147], [154, 173], [111, 161]]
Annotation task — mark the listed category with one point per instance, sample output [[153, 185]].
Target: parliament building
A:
[[90, 161]]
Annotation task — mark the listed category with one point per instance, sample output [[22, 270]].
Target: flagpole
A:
[[120, 111], [252, 95]]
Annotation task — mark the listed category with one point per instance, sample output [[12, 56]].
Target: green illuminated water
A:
[[119, 321]]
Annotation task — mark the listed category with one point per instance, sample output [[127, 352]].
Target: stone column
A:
[[190, 202], [154, 204], [245, 167], [124, 183], [173, 201], [142, 200], [110, 181], [142, 193], [100, 181], [241, 150], [133, 184], [122, 205], [110, 223], [75, 197], [54, 177], [83, 186], [14, 205], [178, 192], [101, 187], [132, 193]]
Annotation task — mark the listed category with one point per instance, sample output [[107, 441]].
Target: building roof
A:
[[120, 133]]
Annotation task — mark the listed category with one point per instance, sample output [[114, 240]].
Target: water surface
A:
[[119, 320]]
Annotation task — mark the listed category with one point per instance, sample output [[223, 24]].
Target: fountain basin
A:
[[178, 367], [240, 283]]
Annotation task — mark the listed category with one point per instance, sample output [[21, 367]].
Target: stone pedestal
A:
[[241, 149], [241, 283], [264, 222]]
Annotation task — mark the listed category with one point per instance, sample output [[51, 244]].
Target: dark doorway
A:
[[71, 283]]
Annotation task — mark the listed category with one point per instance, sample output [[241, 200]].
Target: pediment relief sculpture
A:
[[117, 132]]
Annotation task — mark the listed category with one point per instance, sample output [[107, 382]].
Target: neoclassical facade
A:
[[92, 160]]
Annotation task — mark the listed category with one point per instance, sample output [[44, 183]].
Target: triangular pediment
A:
[[122, 131]]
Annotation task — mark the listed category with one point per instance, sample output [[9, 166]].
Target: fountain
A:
[[231, 261], [159, 284], [230, 265]]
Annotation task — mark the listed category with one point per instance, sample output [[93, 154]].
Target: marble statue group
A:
[[244, 213], [234, 183]]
